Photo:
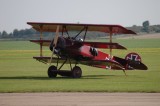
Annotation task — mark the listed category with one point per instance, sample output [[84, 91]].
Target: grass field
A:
[[20, 73]]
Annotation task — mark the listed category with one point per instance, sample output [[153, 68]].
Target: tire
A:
[[76, 72], [52, 72]]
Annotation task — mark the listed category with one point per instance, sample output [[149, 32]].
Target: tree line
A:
[[145, 28], [33, 34]]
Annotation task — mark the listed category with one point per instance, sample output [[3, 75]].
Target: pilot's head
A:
[[81, 40]]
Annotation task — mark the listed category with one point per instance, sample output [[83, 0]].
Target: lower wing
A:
[[94, 63]]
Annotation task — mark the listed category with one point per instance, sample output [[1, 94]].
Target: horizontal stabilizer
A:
[[130, 65], [137, 65]]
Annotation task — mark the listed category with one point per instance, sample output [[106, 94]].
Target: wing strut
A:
[[41, 44], [110, 35], [86, 29]]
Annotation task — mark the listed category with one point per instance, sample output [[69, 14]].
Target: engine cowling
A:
[[61, 44]]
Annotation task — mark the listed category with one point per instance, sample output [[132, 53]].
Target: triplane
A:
[[75, 50]]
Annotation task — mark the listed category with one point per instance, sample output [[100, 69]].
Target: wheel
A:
[[52, 72], [76, 72]]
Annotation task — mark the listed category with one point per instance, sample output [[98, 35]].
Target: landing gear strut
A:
[[76, 72]]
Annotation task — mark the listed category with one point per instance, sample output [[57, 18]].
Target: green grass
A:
[[20, 73]]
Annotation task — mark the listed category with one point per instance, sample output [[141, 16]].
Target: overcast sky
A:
[[15, 13]]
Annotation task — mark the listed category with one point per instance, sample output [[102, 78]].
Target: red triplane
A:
[[75, 50]]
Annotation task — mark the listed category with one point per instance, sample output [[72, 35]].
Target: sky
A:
[[14, 14]]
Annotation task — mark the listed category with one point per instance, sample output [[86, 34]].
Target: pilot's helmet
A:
[[81, 40]]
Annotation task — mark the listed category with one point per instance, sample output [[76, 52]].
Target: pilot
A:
[[81, 40]]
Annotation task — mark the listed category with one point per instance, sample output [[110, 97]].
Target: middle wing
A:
[[102, 45]]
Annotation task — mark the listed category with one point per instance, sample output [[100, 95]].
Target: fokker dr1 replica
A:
[[75, 50]]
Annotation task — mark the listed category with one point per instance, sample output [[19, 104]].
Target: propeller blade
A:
[[55, 42], [56, 37]]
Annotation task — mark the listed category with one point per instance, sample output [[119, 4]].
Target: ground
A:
[[80, 99], [18, 77]]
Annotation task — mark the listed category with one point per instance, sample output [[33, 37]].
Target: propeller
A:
[[55, 42]]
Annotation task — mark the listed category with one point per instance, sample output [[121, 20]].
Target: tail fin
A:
[[132, 61]]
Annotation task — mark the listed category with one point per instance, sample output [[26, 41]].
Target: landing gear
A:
[[52, 72], [76, 72]]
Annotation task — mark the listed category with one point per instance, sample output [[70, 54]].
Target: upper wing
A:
[[51, 27]]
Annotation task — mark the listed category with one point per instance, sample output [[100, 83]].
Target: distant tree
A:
[[135, 28], [10, 35], [156, 28], [146, 26], [21, 33], [0, 35], [4, 34], [15, 33], [30, 32]]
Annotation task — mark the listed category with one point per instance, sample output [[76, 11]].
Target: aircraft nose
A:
[[61, 44]]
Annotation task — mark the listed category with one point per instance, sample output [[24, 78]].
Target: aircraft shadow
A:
[[26, 77], [96, 76], [59, 77], [33, 78]]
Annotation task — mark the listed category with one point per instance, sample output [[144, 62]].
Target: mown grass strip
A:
[[20, 73]]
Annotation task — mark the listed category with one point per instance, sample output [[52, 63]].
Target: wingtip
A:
[[132, 32]]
